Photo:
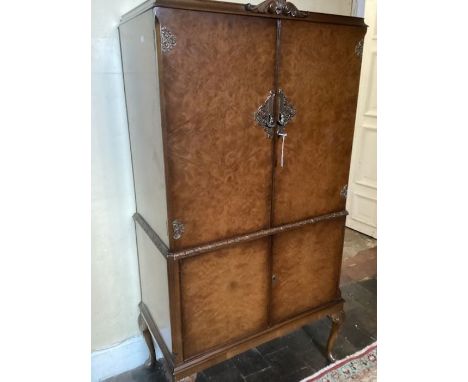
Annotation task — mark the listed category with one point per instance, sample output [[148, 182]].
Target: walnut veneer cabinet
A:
[[241, 124]]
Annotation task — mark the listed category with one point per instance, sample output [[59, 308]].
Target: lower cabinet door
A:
[[224, 296], [306, 268]]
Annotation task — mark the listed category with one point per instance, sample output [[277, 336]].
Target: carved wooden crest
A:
[[277, 7]]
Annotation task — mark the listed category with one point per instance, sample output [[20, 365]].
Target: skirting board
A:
[[120, 358]]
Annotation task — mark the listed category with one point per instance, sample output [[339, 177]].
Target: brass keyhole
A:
[[273, 278]]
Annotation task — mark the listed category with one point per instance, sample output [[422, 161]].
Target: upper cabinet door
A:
[[319, 76], [215, 71]]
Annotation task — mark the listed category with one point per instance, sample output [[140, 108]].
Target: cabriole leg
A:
[[337, 320], [149, 342]]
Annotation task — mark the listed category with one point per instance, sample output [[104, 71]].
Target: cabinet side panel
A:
[[320, 68], [154, 284], [224, 296], [306, 265], [144, 119]]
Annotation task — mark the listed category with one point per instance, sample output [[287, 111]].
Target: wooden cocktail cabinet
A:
[[241, 122]]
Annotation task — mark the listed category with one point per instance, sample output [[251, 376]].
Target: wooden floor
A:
[[300, 354]]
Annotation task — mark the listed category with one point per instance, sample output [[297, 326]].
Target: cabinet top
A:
[[270, 8]]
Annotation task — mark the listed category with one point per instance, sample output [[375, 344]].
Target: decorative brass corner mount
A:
[[168, 40], [276, 7], [344, 192], [178, 228], [359, 49]]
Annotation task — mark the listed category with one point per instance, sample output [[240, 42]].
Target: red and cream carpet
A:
[[358, 367]]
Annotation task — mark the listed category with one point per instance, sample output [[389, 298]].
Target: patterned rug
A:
[[359, 367]]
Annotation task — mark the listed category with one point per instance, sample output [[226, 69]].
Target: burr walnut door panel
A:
[[224, 296], [216, 70], [320, 66], [306, 268]]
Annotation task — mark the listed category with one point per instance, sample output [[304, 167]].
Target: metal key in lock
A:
[[283, 136], [282, 133]]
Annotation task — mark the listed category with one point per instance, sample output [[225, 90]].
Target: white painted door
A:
[[362, 189]]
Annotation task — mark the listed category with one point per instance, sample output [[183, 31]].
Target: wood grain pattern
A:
[[224, 296], [306, 265], [320, 76], [228, 351], [219, 161]]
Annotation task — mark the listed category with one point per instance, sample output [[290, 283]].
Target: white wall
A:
[[115, 285]]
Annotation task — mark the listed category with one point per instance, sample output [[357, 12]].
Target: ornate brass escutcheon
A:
[[286, 112], [264, 115], [265, 118]]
